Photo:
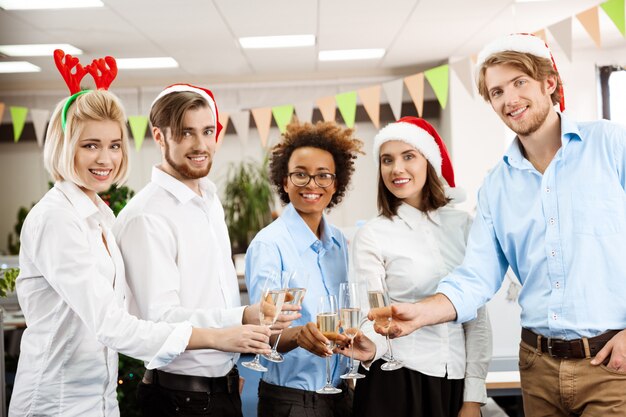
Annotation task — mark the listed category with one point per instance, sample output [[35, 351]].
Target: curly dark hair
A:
[[328, 136]]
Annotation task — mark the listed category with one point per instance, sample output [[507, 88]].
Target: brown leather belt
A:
[[568, 349], [228, 383]]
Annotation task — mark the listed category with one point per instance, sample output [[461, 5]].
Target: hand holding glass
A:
[[380, 308]]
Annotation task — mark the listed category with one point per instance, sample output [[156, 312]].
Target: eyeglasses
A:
[[302, 179]]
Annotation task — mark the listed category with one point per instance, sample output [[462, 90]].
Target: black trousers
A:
[[157, 401], [405, 392], [278, 401]]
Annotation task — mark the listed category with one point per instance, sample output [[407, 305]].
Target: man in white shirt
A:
[[176, 249]]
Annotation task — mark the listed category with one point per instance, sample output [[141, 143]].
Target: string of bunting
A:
[[346, 102]]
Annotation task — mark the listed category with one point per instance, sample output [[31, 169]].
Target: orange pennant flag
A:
[[263, 120], [223, 118], [589, 20], [1, 112], [327, 108], [415, 85], [370, 97], [541, 34]]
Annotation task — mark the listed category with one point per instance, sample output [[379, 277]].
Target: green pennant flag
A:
[[615, 10], [18, 115], [282, 115], [438, 79], [138, 126], [347, 107]]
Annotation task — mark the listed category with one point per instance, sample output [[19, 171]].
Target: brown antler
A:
[[103, 71], [65, 64]]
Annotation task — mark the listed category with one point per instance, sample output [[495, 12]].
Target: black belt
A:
[[568, 349], [228, 383], [298, 396]]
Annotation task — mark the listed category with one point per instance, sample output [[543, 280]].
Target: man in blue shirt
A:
[[554, 211]]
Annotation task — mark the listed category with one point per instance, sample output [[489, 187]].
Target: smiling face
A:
[[310, 200], [522, 102], [403, 171], [189, 158], [98, 155]]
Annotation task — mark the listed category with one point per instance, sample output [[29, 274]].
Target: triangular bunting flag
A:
[[18, 115], [282, 115], [438, 79], [370, 97], [263, 120], [223, 118], [562, 32], [415, 85], [463, 70], [615, 10], [1, 112], [393, 91], [138, 126], [40, 119], [541, 34], [327, 108], [304, 111], [347, 107], [589, 20], [241, 121]]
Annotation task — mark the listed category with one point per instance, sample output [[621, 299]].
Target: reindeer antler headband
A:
[[103, 71]]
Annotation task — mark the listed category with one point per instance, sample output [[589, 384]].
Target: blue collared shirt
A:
[[288, 244], [562, 233]]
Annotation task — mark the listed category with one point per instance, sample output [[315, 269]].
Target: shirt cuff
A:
[[475, 390], [463, 313], [233, 316], [174, 345]]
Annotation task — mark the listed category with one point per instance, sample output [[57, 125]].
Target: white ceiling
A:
[[202, 36]]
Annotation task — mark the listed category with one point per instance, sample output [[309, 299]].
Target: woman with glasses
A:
[[310, 168]]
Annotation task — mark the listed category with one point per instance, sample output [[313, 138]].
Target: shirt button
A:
[[547, 189], [557, 284], [553, 253], [552, 221], [554, 316]]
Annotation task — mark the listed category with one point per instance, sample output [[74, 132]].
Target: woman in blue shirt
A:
[[311, 168]]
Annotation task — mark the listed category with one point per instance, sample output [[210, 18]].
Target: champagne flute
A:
[[350, 317], [380, 307], [328, 324], [271, 302], [293, 296]]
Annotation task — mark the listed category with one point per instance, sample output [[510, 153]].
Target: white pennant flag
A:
[[241, 122], [40, 119], [304, 111], [463, 70], [393, 90], [562, 32]]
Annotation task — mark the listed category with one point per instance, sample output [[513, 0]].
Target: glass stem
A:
[[390, 350], [352, 356], [328, 384], [276, 342]]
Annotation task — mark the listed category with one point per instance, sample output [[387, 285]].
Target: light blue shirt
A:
[[288, 244], [562, 233]]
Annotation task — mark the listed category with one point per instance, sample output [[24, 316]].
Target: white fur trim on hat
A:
[[518, 42], [456, 194], [414, 136], [176, 88]]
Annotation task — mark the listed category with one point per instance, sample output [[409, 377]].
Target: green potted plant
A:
[[248, 201]]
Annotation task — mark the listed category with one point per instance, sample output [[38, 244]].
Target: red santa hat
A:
[[422, 136], [526, 43], [206, 94]]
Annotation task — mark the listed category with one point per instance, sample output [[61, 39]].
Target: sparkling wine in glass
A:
[[293, 296], [271, 302], [380, 308], [328, 325], [350, 317]]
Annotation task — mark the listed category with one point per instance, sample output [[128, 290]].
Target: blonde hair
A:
[[535, 67], [60, 146]]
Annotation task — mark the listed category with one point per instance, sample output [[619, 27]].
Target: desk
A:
[[503, 383]]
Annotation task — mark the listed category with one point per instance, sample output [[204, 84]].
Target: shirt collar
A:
[[302, 235], [414, 218], [569, 130], [179, 190], [83, 204]]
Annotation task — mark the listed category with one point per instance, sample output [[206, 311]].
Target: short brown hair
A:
[[433, 194], [327, 136], [170, 110], [59, 149], [535, 67]]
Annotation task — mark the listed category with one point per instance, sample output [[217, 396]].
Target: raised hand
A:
[[310, 338], [243, 339]]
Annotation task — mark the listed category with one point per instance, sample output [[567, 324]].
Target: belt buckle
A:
[[549, 344]]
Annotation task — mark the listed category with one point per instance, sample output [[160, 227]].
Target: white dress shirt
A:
[[178, 262], [414, 251], [72, 293]]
